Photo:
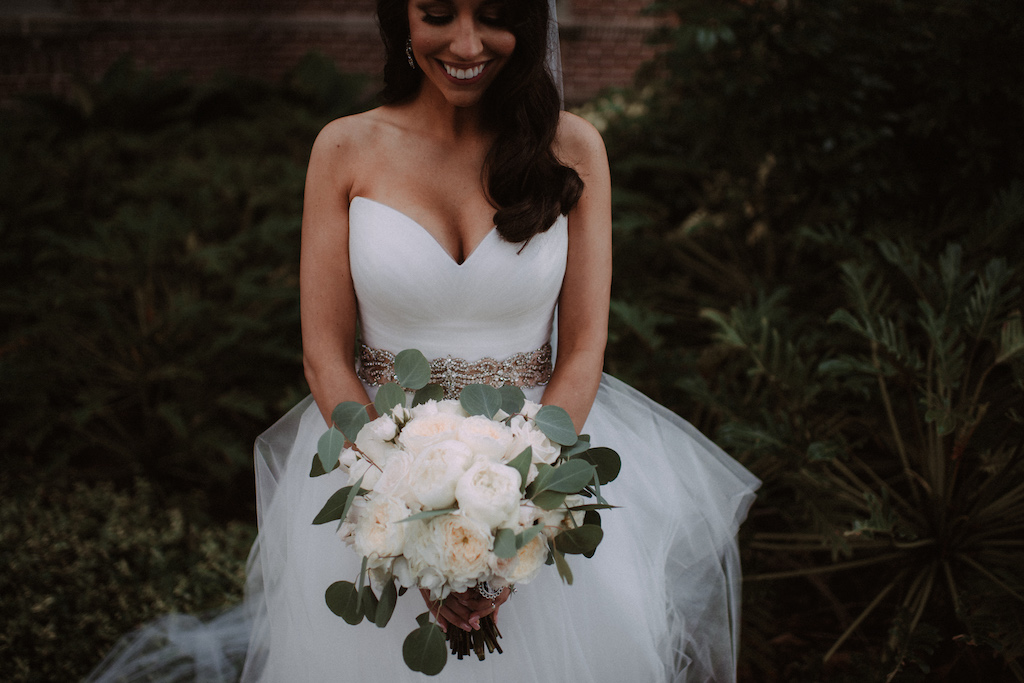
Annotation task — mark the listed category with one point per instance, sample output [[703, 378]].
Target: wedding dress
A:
[[658, 602], [660, 599]]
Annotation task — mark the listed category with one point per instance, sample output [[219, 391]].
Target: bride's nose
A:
[[466, 43]]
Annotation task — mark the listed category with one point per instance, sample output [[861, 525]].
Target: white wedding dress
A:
[[660, 599], [658, 602]]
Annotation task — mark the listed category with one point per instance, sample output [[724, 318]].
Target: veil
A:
[[554, 59], [212, 648]]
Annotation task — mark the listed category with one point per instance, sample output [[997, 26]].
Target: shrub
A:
[[82, 565], [150, 236]]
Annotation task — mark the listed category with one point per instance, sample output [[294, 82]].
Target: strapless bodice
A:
[[412, 294]]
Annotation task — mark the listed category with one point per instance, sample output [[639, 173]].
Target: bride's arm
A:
[[586, 289], [327, 296]]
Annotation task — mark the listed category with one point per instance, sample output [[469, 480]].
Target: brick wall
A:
[[46, 44]]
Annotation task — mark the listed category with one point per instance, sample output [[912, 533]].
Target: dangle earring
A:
[[408, 53]]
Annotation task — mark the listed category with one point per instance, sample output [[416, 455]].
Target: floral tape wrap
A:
[[526, 369]]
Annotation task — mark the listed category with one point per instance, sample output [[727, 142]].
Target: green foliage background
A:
[[818, 217]]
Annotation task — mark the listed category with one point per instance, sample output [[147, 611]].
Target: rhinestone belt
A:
[[525, 369]]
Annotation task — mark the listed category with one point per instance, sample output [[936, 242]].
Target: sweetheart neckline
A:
[[430, 235]]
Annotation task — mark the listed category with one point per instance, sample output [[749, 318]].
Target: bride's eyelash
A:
[[437, 19]]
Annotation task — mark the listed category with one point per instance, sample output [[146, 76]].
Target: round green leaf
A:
[[388, 396], [334, 507], [581, 540], [329, 448], [521, 464], [548, 500], [343, 599], [349, 417], [569, 477], [512, 398], [424, 650], [505, 544], [556, 425], [386, 604], [368, 604], [606, 461], [412, 369], [431, 392], [481, 399]]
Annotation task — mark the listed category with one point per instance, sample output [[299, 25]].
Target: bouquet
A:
[[449, 495]]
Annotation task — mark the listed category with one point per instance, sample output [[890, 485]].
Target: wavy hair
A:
[[526, 183]]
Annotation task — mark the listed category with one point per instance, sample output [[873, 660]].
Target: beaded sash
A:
[[525, 369]]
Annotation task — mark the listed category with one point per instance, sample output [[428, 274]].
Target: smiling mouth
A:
[[465, 75]]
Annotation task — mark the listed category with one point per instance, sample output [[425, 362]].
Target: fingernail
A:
[[475, 621]]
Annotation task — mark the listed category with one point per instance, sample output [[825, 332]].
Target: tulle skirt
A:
[[659, 601]]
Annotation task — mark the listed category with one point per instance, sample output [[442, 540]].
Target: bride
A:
[[457, 219]]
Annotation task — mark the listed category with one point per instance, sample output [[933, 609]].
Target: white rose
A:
[[436, 470], [381, 429], [427, 430], [394, 480], [559, 519], [487, 438], [530, 410], [448, 406], [525, 565], [459, 548], [526, 434], [356, 466], [417, 567], [489, 492], [379, 536]]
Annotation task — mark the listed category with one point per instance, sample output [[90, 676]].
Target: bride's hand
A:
[[464, 610]]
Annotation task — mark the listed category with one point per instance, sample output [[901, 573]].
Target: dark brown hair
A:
[[525, 181]]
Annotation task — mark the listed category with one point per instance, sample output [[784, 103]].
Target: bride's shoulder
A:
[[355, 133], [578, 143]]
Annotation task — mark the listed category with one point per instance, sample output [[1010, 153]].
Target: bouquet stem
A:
[[463, 642]]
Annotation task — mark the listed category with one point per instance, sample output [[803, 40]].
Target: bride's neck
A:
[[445, 120]]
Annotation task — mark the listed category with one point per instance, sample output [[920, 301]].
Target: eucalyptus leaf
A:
[[556, 424], [334, 507], [349, 417], [343, 599], [355, 490], [386, 604], [548, 500], [424, 650], [329, 448], [563, 566], [521, 463], [524, 537], [505, 544], [431, 392], [589, 507], [480, 399], [512, 398], [412, 369], [427, 514], [317, 468], [607, 462], [592, 517], [581, 445], [569, 477], [388, 396], [582, 539], [368, 604]]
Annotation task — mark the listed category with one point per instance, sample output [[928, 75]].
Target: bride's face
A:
[[460, 45]]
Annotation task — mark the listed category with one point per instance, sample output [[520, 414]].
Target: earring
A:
[[408, 53]]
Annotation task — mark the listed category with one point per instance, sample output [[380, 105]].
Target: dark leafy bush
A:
[[818, 209], [150, 235], [82, 565]]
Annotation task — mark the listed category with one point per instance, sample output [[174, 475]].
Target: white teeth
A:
[[464, 74]]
